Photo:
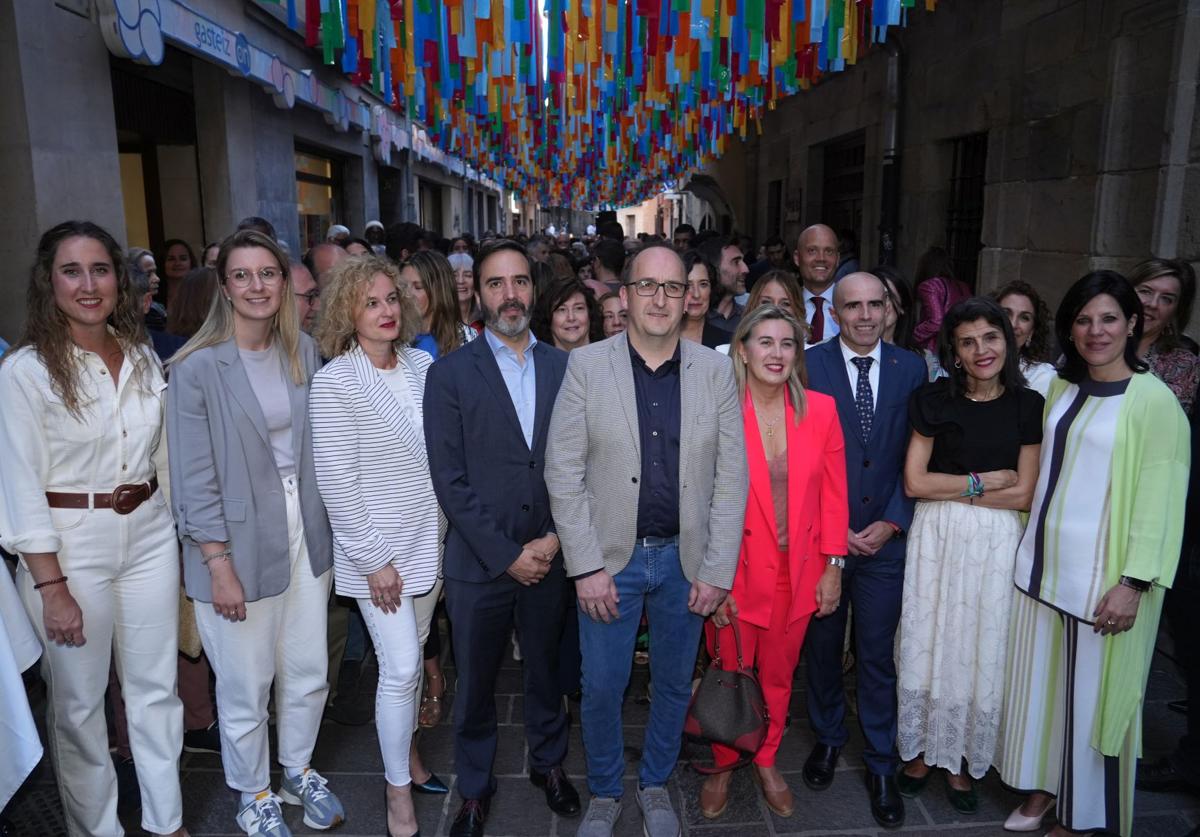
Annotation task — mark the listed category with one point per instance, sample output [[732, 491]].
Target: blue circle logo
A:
[[242, 53]]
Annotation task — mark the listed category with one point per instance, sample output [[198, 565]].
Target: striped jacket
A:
[[373, 474]]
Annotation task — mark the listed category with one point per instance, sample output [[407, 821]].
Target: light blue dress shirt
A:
[[519, 378]]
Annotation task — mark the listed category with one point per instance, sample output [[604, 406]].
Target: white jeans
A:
[[282, 640], [123, 571]]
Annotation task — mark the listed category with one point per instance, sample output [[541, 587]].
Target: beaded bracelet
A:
[[60, 580]]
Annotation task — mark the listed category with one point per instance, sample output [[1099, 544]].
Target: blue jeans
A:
[[654, 578]]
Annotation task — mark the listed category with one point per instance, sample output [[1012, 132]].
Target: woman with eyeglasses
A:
[[81, 505], [257, 549]]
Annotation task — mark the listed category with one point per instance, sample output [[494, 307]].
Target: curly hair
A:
[[1037, 350], [345, 292], [47, 329], [444, 316]]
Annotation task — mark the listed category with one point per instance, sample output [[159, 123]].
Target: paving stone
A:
[[995, 801], [743, 809], [843, 806]]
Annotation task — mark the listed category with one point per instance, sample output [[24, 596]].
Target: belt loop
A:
[[91, 501]]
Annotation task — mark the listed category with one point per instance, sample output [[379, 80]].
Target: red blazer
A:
[[818, 514]]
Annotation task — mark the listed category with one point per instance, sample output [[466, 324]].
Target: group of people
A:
[[452, 427]]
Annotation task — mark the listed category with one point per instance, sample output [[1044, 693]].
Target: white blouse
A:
[[117, 439]]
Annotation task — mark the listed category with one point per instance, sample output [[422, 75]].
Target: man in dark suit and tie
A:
[[487, 412], [871, 381]]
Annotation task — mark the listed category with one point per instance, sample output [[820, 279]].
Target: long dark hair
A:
[[193, 300], [557, 292], [691, 258], [1074, 368], [1037, 350], [968, 311], [902, 300], [47, 329]]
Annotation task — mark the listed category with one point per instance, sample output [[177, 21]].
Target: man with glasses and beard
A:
[[487, 414]]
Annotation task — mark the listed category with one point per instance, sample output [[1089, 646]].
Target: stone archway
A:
[[706, 188]]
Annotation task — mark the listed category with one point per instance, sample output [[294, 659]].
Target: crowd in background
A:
[[541, 438]]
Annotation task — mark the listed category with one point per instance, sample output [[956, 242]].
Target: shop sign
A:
[[140, 29]]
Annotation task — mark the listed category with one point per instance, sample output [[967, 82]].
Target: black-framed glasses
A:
[[311, 297], [267, 275], [648, 287]]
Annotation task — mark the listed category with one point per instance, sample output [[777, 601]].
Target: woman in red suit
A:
[[794, 543]]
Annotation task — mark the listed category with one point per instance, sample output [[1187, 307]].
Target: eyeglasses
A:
[[648, 287], [311, 297], [267, 275]]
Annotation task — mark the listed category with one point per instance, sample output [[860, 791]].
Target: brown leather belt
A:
[[123, 499]]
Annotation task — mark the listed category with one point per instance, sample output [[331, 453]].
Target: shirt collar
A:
[[849, 354], [826, 295], [639, 361], [497, 345]]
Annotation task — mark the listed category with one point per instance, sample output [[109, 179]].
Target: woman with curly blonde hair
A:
[[84, 453], [373, 474]]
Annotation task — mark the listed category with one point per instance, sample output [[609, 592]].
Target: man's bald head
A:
[[859, 308], [817, 257], [853, 283], [324, 256]]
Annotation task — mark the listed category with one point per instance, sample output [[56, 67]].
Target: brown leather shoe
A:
[[782, 802], [714, 795]]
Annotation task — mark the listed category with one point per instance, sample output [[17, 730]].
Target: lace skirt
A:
[[953, 636]]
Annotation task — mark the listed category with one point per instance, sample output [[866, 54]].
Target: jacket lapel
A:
[[234, 375], [760, 472], [889, 384], [622, 370], [298, 396], [380, 397], [489, 370], [545, 393]]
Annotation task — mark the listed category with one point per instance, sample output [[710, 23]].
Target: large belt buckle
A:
[[127, 497]]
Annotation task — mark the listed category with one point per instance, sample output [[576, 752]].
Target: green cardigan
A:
[[1151, 456]]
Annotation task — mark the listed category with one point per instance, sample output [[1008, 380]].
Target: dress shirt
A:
[[519, 378], [117, 439], [659, 420], [876, 354], [730, 323], [831, 327]]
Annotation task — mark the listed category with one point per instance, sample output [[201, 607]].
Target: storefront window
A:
[[318, 196]]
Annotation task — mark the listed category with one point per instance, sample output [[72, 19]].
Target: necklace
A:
[[997, 394], [771, 426]]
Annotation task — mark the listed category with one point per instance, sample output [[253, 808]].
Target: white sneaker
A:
[[263, 817]]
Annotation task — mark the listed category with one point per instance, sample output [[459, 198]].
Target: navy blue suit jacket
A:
[[488, 481], [874, 469]]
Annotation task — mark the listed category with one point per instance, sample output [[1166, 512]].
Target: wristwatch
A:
[[837, 561]]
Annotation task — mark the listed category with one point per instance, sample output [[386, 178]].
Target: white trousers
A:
[[283, 640], [123, 571]]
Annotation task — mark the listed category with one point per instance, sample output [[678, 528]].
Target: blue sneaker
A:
[[322, 810], [263, 817]]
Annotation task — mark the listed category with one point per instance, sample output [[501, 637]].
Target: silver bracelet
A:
[[226, 555]]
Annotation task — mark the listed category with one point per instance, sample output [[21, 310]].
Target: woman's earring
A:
[[957, 363]]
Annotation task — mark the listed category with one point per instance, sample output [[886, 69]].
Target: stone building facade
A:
[[1036, 139]]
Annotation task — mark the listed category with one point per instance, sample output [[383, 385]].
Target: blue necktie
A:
[[862, 395]]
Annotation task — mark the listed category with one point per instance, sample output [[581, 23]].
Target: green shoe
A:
[[964, 801], [911, 786]]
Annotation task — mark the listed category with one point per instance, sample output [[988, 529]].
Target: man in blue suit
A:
[[871, 381], [487, 413]]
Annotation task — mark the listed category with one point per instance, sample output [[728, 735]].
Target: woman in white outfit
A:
[[256, 541], [81, 503], [369, 444]]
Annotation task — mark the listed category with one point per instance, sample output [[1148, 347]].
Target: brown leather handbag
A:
[[728, 708]]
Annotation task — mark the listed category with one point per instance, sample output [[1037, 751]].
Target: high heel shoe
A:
[[432, 785], [1021, 822]]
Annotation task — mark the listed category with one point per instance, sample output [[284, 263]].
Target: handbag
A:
[[728, 708], [189, 635]]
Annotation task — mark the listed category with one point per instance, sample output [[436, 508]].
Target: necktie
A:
[[862, 395], [817, 327]]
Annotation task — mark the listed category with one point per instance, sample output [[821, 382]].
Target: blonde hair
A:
[[345, 291], [218, 326], [445, 318], [797, 380]]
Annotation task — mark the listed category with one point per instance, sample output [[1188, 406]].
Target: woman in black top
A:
[[972, 465]]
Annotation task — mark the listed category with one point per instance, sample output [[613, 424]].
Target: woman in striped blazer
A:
[[372, 471]]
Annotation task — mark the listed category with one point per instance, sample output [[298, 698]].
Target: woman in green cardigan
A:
[[1100, 549]]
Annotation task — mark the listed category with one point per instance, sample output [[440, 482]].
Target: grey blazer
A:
[[593, 462], [224, 484]]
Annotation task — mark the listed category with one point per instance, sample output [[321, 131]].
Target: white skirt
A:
[[953, 636]]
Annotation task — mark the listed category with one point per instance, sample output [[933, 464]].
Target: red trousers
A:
[[775, 652]]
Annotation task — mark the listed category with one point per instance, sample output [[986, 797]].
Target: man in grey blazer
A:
[[646, 470]]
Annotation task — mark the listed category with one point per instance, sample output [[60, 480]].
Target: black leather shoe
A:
[[561, 795], [887, 806], [431, 785], [819, 766], [470, 819]]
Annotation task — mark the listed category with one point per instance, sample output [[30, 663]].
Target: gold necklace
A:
[[771, 426]]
